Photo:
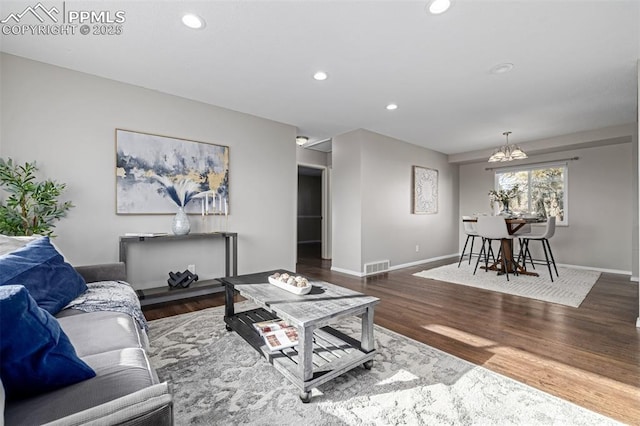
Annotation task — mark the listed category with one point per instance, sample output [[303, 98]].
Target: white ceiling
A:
[[575, 63]]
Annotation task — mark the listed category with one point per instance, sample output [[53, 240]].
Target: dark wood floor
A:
[[588, 355]]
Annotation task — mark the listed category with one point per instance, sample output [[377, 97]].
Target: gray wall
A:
[[601, 205], [372, 177], [346, 202], [65, 120]]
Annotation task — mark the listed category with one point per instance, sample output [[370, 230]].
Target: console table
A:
[[165, 293]]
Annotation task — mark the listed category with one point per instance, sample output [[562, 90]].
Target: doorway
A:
[[311, 223]]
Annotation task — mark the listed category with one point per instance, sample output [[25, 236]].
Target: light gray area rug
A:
[[218, 379], [569, 289]]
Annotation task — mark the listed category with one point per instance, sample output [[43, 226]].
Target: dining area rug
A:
[[219, 379], [569, 288]]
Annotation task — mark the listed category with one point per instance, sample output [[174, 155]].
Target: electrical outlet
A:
[[192, 268], [417, 248]]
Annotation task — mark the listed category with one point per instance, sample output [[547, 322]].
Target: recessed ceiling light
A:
[[193, 21], [320, 75], [437, 7], [391, 107], [502, 68]]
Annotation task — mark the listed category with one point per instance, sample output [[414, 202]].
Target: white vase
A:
[[181, 225]]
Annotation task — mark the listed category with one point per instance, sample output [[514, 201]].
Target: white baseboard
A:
[[347, 271], [633, 278], [638, 323], [609, 271], [395, 267], [422, 262]]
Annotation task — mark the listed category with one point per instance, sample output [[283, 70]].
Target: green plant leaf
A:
[[31, 207]]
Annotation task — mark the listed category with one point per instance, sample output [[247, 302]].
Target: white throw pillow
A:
[[9, 244]]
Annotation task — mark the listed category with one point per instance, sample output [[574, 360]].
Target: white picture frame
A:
[[425, 190]]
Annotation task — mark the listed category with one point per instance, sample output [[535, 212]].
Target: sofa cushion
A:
[[38, 266], [115, 330], [36, 356], [118, 373]]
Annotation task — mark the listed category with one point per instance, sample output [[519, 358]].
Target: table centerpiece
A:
[[504, 197]]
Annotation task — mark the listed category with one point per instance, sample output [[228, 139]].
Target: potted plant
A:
[[504, 196], [29, 206]]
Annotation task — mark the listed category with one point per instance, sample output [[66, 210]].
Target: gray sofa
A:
[[126, 389]]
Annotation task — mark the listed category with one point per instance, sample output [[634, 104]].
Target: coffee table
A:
[[323, 352]]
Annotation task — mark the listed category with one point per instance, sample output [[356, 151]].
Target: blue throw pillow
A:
[[38, 266], [35, 354]]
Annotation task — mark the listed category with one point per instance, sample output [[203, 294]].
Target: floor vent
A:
[[376, 267]]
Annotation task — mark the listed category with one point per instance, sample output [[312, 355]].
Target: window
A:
[[543, 189]]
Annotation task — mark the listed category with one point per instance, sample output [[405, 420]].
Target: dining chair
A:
[[472, 233], [546, 247], [493, 228]]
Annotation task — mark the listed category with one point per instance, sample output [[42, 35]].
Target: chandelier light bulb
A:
[[193, 21], [437, 7], [320, 76]]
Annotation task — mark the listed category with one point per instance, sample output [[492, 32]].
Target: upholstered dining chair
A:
[[493, 228], [472, 233], [546, 247]]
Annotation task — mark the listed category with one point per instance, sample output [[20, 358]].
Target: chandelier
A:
[[507, 152]]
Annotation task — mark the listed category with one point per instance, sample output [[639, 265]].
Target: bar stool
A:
[[521, 234], [493, 228], [546, 247], [472, 233]]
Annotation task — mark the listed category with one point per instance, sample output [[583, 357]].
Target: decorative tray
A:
[[293, 284]]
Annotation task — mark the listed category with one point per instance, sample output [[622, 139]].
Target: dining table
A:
[[514, 224]]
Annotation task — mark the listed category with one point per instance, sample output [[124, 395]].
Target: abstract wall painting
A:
[[425, 191], [155, 174]]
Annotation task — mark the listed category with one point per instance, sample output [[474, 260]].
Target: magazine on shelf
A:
[[270, 325], [145, 234], [281, 339]]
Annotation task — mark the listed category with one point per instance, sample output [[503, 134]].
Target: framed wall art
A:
[[158, 174], [425, 190]]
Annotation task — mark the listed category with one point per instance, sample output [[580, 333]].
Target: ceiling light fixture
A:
[[193, 21], [507, 152], [391, 107], [301, 140], [437, 7], [320, 75]]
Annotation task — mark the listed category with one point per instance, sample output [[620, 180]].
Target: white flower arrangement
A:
[[504, 196]]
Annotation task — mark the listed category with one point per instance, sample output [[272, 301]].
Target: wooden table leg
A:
[[366, 338], [507, 254], [305, 359], [512, 265], [506, 246]]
